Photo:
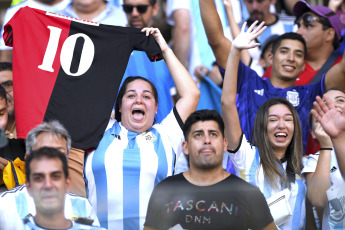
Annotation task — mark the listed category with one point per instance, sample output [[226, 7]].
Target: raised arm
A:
[[318, 182], [181, 34], [335, 77], [185, 85], [235, 30], [334, 4], [333, 122], [243, 41], [219, 43]]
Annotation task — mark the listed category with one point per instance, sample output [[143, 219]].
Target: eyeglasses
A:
[[140, 8], [308, 20], [8, 86]]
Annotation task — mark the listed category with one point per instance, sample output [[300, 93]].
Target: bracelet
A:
[[326, 149]]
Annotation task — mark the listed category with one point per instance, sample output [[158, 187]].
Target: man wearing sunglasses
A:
[[6, 80], [321, 29], [140, 13]]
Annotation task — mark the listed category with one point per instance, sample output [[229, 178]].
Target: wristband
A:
[[326, 149]]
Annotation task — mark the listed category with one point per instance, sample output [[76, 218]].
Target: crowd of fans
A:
[[267, 152]]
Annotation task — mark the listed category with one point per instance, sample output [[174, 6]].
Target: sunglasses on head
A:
[[308, 19], [140, 8]]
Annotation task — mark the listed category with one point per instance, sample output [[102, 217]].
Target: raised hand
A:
[[158, 36], [331, 119], [320, 134], [245, 39]]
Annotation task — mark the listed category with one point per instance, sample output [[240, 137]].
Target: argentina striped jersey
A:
[[17, 203], [247, 165], [122, 172]]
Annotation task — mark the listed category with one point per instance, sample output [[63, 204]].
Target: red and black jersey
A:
[[69, 70]]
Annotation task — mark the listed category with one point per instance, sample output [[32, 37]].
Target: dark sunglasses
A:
[[308, 20], [140, 8]]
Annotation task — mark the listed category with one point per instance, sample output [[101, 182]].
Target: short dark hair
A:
[[288, 36], [3, 94], [202, 115], [5, 66], [122, 92], [49, 153]]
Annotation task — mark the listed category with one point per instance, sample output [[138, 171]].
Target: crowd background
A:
[[202, 43]]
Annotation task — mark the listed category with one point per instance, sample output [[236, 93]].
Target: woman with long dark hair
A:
[[273, 159]]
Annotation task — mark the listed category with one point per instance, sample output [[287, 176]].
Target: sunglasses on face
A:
[[307, 20], [140, 8]]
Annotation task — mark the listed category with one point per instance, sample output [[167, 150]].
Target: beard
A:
[[207, 164]]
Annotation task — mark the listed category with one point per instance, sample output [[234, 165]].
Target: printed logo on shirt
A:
[[259, 91], [204, 209], [150, 137], [293, 97]]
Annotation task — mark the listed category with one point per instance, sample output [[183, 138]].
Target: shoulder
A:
[[14, 191], [13, 9], [241, 185], [173, 179], [76, 197]]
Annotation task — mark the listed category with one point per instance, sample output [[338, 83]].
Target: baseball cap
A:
[[301, 7]]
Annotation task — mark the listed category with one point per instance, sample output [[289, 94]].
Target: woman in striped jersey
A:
[[135, 154], [273, 160]]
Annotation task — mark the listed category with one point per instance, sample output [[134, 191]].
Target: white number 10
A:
[[67, 50]]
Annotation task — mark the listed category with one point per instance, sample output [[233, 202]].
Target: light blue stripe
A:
[[245, 13], [158, 74], [100, 177], [21, 204], [267, 189], [254, 167], [131, 181], [296, 217], [162, 169], [79, 207], [204, 50]]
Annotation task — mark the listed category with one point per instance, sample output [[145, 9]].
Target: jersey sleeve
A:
[[243, 156], [8, 15], [8, 30], [141, 42], [172, 126]]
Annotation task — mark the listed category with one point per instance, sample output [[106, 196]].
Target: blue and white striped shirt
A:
[[334, 210], [122, 172], [247, 165], [29, 224], [16, 203]]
